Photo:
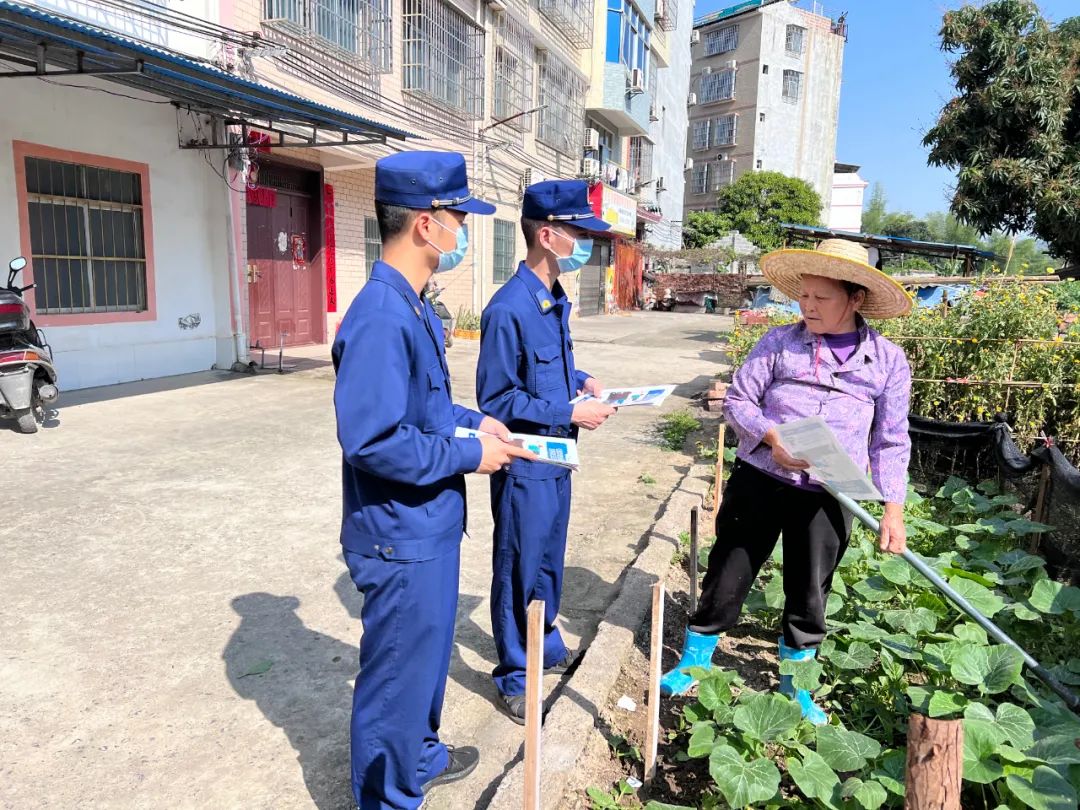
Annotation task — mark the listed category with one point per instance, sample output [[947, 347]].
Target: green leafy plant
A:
[[896, 647], [467, 320], [675, 427], [646, 479]]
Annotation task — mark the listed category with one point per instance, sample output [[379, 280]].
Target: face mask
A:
[[449, 259], [578, 257]]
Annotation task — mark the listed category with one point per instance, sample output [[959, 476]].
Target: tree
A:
[[873, 217], [1013, 131], [702, 228], [759, 202]]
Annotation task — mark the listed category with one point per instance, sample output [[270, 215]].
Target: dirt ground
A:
[[178, 629]]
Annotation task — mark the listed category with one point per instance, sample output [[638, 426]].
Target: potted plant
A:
[[467, 325]]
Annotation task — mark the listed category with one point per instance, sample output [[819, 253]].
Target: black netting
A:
[[980, 451]]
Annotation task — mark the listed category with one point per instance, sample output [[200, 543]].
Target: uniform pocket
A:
[[549, 368], [438, 409]]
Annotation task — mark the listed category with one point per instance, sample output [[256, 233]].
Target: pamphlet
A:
[[812, 440], [622, 397], [550, 449]]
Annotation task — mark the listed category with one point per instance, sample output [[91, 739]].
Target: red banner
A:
[[262, 197], [330, 251]]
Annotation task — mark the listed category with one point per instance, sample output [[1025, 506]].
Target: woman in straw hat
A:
[[833, 365]]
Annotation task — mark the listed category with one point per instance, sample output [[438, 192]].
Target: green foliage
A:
[[873, 218], [755, 205], [675, 427], [467, 319], [1012, 132], [897, 647]]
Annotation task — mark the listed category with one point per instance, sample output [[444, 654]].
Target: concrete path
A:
[[177, 628]]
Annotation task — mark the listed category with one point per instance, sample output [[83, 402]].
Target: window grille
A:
[[443, 56], [667, 14], [372, 243], [574, 18], [357, 30], [503, 252], [717, 86], [513, 91], [561, 95], [700, 134], [724, 130], [699, 180], [86, 238], [721, 40], [792, 86], [641, 161], [723, 174], [795, 41]]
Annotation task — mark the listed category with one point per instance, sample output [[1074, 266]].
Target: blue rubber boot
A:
[[810, 710], [697, 651]]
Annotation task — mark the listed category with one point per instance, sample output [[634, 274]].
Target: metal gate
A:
[[591, 293]]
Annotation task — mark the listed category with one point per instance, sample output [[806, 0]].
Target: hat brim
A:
[[474, 206], [885, 298], [590, 224]]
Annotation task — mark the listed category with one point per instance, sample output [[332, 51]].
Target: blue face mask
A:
[[578, 257], [449, 259]]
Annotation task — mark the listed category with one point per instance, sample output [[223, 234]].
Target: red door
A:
[[284, 281]]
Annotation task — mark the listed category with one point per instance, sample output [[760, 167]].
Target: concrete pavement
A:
[[178, 629]]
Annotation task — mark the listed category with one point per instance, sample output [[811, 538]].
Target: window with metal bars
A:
[[360, 28], [561, 97], [574, 18], [502, 264], [641, 162], [724, 130], [86, 238], [700, 134], [717, 86], [699, 180], [723, 174], [443, 56], [792, 86], [795, 40], [721, 40], [513, 90], [372, 243]]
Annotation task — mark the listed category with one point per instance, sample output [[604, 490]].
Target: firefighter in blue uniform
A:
[[526, 378], [403, 482]]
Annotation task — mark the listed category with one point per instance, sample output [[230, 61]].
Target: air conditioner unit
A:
[[637, 81], [590, 167], [592, 139], [652, 113], [691, 100], [688, 165], [497, 5], [706, 71], [731, 64], [530, 177], [695, 37], [660, 184]]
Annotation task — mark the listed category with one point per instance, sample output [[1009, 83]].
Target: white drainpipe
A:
[[240, 338]]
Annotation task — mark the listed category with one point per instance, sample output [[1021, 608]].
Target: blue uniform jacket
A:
[[403, 471], [526, 377]]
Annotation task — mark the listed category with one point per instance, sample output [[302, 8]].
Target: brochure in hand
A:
[[812, 440], [622, 397], [551, 450]]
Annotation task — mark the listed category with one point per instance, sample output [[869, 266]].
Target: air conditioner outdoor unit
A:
[[660, 184], [691, 100], [695, 37], [637, 81], [590, 167], [731, 64], [530, 177], [652, 113], [592, 139], [706, 71], [688, 165]]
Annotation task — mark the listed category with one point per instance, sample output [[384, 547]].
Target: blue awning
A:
[[36, 43]]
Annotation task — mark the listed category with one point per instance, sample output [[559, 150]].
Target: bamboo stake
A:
[[656, 651], [718, 484], [693, 559], [534, 702]]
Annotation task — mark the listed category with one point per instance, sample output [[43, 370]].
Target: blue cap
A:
[[561, 201], [427, 180]]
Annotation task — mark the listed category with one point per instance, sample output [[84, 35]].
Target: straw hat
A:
[[842, 260]]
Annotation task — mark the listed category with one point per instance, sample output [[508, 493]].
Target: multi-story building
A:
[[846, 202], [764, 95]]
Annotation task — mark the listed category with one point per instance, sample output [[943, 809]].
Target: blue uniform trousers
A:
[[531, 517], [408, 617]]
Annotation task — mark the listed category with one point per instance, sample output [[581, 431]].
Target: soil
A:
[[749, 649]]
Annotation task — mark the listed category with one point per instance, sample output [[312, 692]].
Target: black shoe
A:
[[462, 762], [562, 666], [514, 707]]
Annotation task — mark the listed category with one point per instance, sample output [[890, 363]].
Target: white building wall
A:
[[846, 207], [188, 205]]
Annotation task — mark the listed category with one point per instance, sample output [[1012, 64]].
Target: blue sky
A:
[[896, 79]]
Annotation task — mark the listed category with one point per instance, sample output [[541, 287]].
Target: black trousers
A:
[[756, 510]]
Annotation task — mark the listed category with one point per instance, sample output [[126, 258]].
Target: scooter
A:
[[432, 294], [27, 373]]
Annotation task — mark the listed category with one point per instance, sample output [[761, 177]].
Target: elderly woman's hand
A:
[[893, 531], [780, 454]]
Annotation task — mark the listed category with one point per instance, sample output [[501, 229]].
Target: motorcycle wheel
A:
[[26, 420]]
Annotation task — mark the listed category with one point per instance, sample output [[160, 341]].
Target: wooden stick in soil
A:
[[534, 701], [719, 468], [935, 764], [693, 559], [656, 652]]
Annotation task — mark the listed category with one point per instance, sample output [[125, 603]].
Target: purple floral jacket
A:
[[791, 374]]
